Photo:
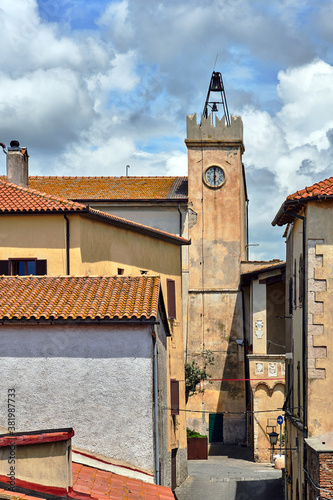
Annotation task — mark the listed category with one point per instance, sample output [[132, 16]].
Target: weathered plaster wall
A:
[[216, 228], [49, 464], [95, 379], [264, 399]]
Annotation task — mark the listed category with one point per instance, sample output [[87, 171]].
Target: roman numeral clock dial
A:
[[214, 177]]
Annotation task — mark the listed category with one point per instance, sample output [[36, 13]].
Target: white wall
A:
[[96, 379]]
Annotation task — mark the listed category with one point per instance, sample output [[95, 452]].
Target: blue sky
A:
[[90, 87]]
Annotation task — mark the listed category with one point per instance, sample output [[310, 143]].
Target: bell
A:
[[214, 107], [215, 84]]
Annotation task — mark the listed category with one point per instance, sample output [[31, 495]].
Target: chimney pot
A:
[[17, 164]]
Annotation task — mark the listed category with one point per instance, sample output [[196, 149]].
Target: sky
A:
[[92, 86]]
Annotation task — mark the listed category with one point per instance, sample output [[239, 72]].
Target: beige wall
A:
[[319, 303], [48, 464], [30, 236]]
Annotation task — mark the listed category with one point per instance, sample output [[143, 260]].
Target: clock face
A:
[[214, 176]]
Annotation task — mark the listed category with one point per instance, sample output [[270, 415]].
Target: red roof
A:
[[79, 298], [112, 188], [96, 484], [103, 485], [36, 437], [15, 198], [295, 202], [320, 189]]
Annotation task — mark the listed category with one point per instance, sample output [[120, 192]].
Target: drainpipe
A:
[[157, 448], [67, 244]]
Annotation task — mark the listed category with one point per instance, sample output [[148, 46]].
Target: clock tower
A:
[[217, 229]]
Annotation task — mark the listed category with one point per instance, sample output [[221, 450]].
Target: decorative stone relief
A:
[[272, 369], [283, 369], [259, 368], [259, 328]]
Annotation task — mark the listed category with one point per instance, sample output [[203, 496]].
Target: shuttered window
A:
[[174, 397], [171, 296], [23, 267], [290, 297]]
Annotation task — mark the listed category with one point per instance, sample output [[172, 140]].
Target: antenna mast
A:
[[216, 86]]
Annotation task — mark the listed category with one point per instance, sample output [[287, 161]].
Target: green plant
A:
[[194, 434], [194, 374]]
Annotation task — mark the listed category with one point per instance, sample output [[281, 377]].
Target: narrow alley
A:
[[231, 476]]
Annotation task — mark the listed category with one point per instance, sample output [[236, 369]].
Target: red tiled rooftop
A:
[[322, 189], [112, 188], [79, 298], [18, 199], [103, 485], [295, 202], [96, 484]]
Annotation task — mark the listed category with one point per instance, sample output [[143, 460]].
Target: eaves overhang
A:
[[290, 208]]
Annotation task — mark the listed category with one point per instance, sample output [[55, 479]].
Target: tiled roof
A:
[[79, 298], [103, 485], [112, 188], [295, 202], [96, 484], [14, 198]]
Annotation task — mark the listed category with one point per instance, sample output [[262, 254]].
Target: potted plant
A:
[[197, 445]]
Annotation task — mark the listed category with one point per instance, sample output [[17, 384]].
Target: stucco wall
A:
[[35, 236], [95, 379]]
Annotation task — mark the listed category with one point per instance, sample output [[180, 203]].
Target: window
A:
[[300, 280], [290, 298], [174, 397], [171, 297], [120, 271], [23, 267]]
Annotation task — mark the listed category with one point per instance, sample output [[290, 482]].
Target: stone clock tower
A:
[[217, 229]]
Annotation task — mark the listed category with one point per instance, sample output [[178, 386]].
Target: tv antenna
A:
[[216, 88]]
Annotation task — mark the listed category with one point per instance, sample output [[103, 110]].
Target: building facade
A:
[[308, 405], [45, 235]]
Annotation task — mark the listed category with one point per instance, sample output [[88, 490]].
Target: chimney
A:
[[17, 164]]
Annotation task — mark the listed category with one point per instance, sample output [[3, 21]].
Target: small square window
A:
[[120, 271], [23, 267]]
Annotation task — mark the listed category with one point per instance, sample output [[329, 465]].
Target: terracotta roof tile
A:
[[86, 298], [321, 189], [107, 485], [15, 198], [294, 203], [112, 188]]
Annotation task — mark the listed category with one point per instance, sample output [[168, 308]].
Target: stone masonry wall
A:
[[315, 329]]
